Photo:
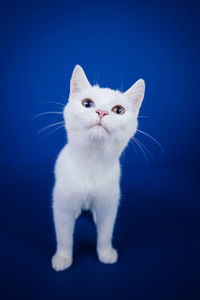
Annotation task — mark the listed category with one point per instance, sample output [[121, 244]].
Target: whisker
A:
[[133, 145], [52, 131], [46, 113], [52, 102], [146, 158], [49, 126], [96, 78], [152, 138], [145, 148]]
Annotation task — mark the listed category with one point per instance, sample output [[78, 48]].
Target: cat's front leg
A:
[[105, 219], [64, 219]]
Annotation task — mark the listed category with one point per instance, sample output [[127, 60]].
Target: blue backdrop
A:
[[116, 42]]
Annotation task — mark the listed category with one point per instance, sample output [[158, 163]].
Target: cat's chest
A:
[[94, 175], [87, 173], [94, 172]]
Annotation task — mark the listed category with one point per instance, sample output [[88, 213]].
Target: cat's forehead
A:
[[104, 95]]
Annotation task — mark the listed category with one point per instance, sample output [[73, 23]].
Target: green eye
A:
[[88, 103], [118, 109]]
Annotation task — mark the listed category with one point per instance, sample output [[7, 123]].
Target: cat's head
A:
[[101, 113]]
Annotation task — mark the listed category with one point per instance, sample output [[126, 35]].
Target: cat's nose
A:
[[101, 113]]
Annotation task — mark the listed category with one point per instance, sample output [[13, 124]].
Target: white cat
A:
[[99, 124]]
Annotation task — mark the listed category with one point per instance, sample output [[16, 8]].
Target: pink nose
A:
[[101, 113]]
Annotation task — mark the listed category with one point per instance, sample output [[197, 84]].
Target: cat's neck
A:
[[94, 150]]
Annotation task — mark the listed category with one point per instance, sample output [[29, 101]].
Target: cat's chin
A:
[[99, 131]]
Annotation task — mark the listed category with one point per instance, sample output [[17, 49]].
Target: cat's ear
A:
[[136, 94], [78, 81]]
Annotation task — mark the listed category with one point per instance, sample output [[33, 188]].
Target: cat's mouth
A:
[[100, 126]]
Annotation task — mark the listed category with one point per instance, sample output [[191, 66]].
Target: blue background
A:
[[157, 230]]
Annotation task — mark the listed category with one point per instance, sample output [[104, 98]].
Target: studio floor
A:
[[157, 235]]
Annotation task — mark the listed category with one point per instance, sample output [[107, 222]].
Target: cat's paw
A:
[[109, 256], [60, 263]]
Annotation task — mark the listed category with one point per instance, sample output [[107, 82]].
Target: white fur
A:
[[87, 170]]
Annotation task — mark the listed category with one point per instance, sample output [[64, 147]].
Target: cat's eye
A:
[[118, 109], [88, 103]]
